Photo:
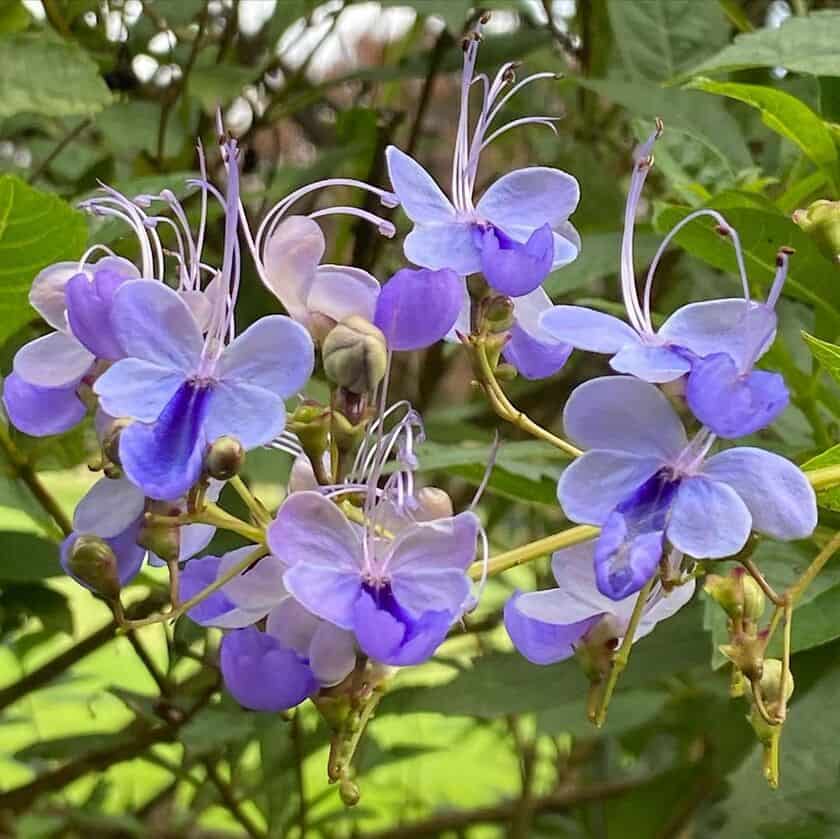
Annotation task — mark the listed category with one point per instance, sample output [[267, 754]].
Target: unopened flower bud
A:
[[739, 595], [747, 654], [499, 314], [111, 439], [355, 355], [311, 423], [349, 792], [433, 503], [821, 220], [164, 540], [92, 561], [771, 681], [224, 458]]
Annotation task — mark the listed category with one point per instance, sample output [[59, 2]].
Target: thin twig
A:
[[231, 802], [57, 150]]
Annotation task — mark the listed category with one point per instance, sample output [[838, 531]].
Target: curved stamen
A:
[[541, 120], [93, 249], [547, 74], [782, 259], [385, 227], [724, 228]]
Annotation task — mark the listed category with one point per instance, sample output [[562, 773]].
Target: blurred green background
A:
[[94, 739]]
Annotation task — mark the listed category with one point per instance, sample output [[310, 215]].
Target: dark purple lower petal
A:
[[417, 308], [733, 404], [535, 359], [631, 541], [41, 411], [388, 634], [165, 458], [89, 312], [263, 675], [542, 642], [512, 267]]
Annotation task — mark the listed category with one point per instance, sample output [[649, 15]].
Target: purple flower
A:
[[184, 389], [519, 230], [643, 482], [546, 626], [715, 343], [399, 596], [41, 394], [297, 653]]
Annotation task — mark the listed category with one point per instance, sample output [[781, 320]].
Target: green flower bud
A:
[[499, 314], [161, 539], [349, 792], [311, 423], [111, 439], [821, 220], [739, 595], [224, 458], [771, 682], [93, 562], [355, 355]]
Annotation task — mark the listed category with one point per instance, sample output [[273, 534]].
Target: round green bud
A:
[[224, 458], [771, 681], [355, 355], [821, 220], [499, 314], [161, 539], [739, 595], [93, 562], [349, 792]]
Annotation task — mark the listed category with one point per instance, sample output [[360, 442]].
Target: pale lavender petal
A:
[[41, 411], [253, 415], [708, 519], [742, 330], [109, 507], [293, 626], [593, 485], [46, 295], [55, 360], [215, 609], [530, 197], [261, 674], [512, 267], [588, 329], [462, 322], [275, 353], [779, 497], [339, 291], [651, 364], [543, 640], [733, 404], [166, 458], [625, 414], [440, 544], [420, 197], [418, 307], [439, 246], [258, 589], [137, 389], [535, 359], [664, 606], [325, 589], [332, 654], [527, 311], [292, 254], [153, 323]]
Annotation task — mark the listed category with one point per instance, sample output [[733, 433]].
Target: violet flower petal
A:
[[56, 360], [651, 364], [40, 411], [588, 329], [512, 267]]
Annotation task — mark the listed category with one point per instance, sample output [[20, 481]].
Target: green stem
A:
[[621, 658], [202, 595], [215, 515], [255, 507], [810, 573], [824, 478], [22, 470], [506, 410], [533, 550]]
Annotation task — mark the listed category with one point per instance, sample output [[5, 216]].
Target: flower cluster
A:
[[359, 570]]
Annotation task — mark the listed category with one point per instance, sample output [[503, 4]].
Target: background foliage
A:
[[108, 736]]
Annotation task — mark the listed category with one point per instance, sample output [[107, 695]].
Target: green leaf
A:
[[215, 728], [811, 278], [45, 75], [658, 38], [132, 127], [828, 498], [27, 558], [686, 114], [784, 114], [801, 45], [827, 354], [21, 601], [36, 229], [13, 17], [218, 84]]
